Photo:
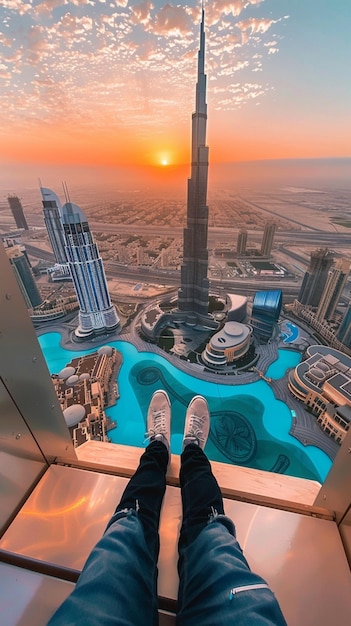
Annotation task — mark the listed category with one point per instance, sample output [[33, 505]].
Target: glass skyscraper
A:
[[52, 210], [22, 270], [315, 278], [96, 312], [17, 212], [333, 289], [268, 237]]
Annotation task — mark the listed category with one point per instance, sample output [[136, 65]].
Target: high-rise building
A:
[[332, 291], [17, 212], [241, 243], [22, 270], [96, 313], [315, 278], [193, 295], [344, 332], [52, 210], [266, 309], [268, 237]]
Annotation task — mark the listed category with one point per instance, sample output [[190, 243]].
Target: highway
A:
[[244, 286], [314, 239], [37, 252]]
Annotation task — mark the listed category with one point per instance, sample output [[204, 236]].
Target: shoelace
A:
[[160, 426], [196, 427]]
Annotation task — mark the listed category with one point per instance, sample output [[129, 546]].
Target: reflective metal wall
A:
[[32, 428], [335, 493]]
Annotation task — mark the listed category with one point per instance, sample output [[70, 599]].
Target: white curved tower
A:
[[96, 313]]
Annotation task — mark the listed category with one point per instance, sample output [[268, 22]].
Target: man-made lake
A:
[[249, 426]]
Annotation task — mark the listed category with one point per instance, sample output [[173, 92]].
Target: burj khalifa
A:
[[194, 289]]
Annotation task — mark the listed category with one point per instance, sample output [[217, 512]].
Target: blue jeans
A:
[[118, 584]]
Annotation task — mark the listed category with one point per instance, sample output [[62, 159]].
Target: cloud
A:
[[47, 6], [142, 13], [5, 41], [37, 46], [72, 28], [4, 73], [254, 26], [114, 64], [218, 8], [240, 94], [78, 3], [172, 21], [17, 6]]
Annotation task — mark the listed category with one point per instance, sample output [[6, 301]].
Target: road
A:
[[315, 239], [245, 286], [229, 235]]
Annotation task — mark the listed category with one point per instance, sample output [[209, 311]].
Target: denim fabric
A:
[[216, 585], [118, 584], [145, 490], [201, 495], [217, 588]]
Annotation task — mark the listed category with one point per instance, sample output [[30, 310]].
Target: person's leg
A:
[[216, 584], [118, 584], [145, 490], [201, 496]]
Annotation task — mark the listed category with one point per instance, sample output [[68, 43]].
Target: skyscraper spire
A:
[[194, 289]]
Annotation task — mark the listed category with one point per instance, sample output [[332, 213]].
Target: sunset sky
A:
[[86, 83]]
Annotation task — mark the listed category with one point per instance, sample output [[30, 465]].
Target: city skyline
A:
[[109, 84]]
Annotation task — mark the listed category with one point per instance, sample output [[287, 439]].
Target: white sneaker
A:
[[159, 419], [197, 422]]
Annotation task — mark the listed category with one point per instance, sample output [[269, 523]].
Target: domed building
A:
[[228, 345]]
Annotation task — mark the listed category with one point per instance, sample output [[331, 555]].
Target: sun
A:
[[164, 162]]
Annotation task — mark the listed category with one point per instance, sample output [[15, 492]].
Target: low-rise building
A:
[[228, 345], [56, 309], [84, 388], [237, 307], [323, 382]]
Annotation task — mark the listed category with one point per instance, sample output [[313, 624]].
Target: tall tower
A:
[[333, 289], [52, 210], [194, 289], [344, 332], [315, 278], [268, 237], [22, 270], [17, 212], [96, 313], [241, 243]]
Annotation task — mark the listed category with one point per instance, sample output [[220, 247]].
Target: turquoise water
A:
[[249, 426], [290, 332], [286, 360]]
